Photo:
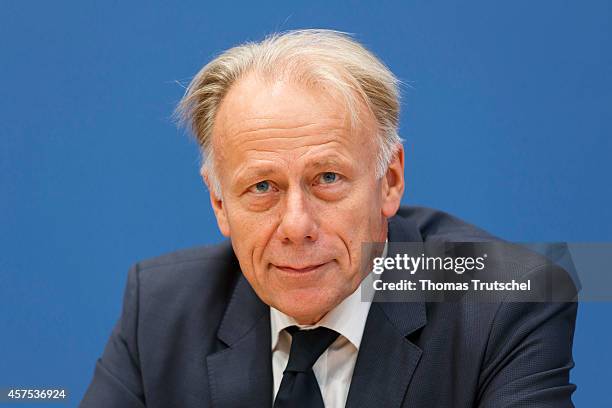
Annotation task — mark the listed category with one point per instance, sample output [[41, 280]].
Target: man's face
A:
[[299, 192]]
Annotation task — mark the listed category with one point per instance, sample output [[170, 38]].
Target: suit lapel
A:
[[387, 359], [241, 375]]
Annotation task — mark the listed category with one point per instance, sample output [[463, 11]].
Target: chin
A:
[[307, 306]]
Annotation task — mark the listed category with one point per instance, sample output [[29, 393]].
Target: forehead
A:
[[257, 109]]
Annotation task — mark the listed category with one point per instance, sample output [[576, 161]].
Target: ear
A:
[[217, 205], [393, 184]]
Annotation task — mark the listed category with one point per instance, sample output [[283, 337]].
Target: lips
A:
[[297, 269]]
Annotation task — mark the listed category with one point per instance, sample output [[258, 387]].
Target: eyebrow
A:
[[253, 172], [327, 161]]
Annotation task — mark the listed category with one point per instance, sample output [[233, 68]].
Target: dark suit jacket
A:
[[193, 333]]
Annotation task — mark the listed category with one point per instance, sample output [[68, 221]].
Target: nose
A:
[[298, 222]]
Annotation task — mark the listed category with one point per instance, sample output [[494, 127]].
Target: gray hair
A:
[[314, 56]]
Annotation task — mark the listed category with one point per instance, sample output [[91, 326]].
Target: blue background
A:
[[507, 114]]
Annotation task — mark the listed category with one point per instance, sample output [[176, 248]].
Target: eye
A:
[[328, 177], [261, 187]]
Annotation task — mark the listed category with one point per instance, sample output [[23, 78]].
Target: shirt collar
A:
[[348, 318]]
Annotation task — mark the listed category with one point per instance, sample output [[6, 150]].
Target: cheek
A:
[[242, 222], [353, 221], [250, 232], [360, 213]]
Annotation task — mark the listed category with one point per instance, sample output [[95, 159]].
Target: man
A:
[[304, 164]]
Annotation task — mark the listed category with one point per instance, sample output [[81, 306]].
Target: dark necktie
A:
[[299, 387]]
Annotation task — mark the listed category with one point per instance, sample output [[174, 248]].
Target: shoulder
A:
[[434, 224], [507, 259], [182, 281], [202, 263], [221, 252]]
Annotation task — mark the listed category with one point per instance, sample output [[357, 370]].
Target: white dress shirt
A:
[[334, 369]]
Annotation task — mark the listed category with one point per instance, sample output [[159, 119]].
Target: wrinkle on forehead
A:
[[317, 153], [287, 139], [258, 116], [251, 128]]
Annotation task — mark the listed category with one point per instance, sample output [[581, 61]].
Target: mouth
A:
[[299, 269]]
